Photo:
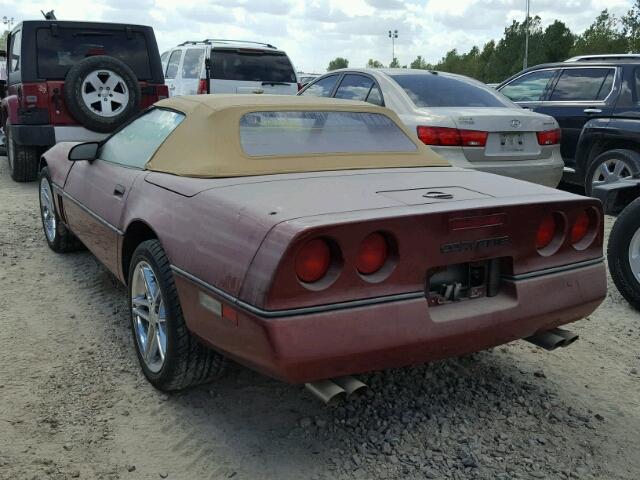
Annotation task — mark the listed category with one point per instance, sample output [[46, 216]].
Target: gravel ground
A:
[[74, 403]]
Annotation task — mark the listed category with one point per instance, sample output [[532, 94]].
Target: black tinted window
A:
[[354, 87], [322, 88], [433, 90], [192, 63], [172, 65], [529, 87], [252, 65], [57, 53], [580, 84]]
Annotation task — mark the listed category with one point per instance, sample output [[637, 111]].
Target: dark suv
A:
[[74, 81], [587, 96]]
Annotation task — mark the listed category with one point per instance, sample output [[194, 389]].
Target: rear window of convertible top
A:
[[309, 133], [58, 52]]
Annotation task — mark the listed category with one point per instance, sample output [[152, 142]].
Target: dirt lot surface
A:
[[74, 404]]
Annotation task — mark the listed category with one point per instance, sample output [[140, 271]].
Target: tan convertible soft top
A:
[[207, 142]]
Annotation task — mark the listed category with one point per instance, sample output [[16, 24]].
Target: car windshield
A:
[[310, 133], [58, 51], [434, 90], [251, 65]]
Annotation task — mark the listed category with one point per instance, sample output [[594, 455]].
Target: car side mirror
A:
[[84, 151]]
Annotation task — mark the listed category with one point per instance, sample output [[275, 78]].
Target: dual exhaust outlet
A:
[[336, 389], [552, 339]]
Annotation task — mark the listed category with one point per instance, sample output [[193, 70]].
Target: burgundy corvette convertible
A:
[[311, 239]]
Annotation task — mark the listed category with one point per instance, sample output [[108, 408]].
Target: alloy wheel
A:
[[149, 316], [105, 93], [610, 171], [47, 210]]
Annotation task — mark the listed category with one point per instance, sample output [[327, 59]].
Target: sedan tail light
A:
[[313, 260], [549, 137], [202, 87], [452, 137]]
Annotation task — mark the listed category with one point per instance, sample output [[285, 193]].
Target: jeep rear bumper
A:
[[48, 135]]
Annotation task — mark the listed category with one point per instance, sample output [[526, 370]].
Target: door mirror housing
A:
[[84, 151]]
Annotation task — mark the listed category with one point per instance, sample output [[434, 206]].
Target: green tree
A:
[[631, 28], [337, 63], [557, 42], [374, 64], [395, 63], [420, 63], [603, 36]]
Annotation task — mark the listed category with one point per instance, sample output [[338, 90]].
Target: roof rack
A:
[[209, 41], [604, 57]]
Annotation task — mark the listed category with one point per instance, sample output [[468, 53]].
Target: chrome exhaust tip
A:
[[351, 385], [552, 339], [327, 391]]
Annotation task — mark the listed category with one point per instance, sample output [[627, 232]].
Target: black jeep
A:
[[74, 81]]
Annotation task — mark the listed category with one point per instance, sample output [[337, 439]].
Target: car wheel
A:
[[623, 253], [23, 159], [58, 236], [101, 93], [170, 357], [610, 167]]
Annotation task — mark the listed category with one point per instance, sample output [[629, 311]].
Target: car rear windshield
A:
[[310, 133], [433, 90], [251, 65], [59, 51]]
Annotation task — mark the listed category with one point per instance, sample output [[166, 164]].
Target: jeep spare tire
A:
[[101, 93]]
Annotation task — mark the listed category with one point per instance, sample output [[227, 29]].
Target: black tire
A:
[[23, 159], [186, 361], [627, 224], [628, 157], [63, 240], [87, 115]]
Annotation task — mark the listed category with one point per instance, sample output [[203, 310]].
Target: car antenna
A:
[[50, 15]]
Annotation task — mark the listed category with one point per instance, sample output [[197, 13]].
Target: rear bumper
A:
[[48, 135], [324, 344], [544, 171]]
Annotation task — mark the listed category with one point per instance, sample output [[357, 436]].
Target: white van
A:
[[229, 66]]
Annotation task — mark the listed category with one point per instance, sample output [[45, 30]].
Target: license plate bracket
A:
[[463, 282], [512, 142]]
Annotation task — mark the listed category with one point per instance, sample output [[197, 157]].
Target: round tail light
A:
[[372, 254], [546, 232], [580, 227], [313, 260]]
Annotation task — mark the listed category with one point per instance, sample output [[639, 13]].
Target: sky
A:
[[313, 32]]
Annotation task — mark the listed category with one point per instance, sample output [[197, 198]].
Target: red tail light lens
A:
[[313, 260], [549, 137], [580, 227], [452, 137], [202, 87], [546, 232], [373, 254]]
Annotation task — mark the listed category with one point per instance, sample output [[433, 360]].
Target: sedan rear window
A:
[[434, 90], [252, 65], [57, 53], [312, 133]]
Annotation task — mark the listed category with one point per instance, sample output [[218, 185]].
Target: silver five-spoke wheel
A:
[[47, 209], [105, 93], [611, 171], [149, 317]]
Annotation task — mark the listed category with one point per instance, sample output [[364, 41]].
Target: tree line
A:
[[496, 61]]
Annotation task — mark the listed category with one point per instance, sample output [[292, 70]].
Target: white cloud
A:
[[315, 31]]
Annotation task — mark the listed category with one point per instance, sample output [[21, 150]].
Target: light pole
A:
[[8, 21], [393, 35], [526, 39]]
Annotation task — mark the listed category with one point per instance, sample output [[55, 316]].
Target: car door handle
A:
[[119, 190], [592, 110]]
